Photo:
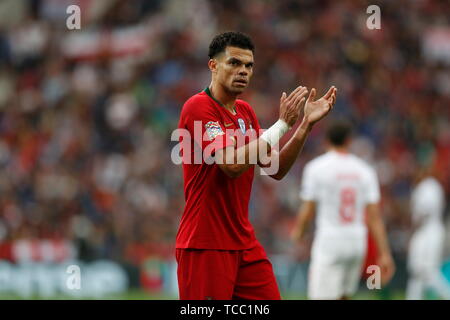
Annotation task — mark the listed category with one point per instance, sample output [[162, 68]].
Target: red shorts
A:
[[224, 275]]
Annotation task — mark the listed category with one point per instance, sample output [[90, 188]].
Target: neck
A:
[[226, 99], [340, 149]]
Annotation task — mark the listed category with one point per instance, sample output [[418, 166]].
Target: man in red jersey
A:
[[216, 249]]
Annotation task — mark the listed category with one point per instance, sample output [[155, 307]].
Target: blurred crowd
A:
[[86, 116]]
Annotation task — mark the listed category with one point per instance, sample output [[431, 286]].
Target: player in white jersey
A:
[[427, 242], [341, 188]]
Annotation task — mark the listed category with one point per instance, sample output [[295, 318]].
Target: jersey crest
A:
[[242, 125]]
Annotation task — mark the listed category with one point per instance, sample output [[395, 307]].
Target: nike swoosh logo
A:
[[228, 124]]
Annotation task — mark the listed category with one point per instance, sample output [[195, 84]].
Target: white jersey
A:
[[428, 203], [341, 185], [427, 243], [426, 247]]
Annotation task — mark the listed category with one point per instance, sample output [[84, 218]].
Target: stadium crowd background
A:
[[86, 115]]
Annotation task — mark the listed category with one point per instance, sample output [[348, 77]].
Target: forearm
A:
[[252, 153], [237, 161], [305, 215], [292, 149], [257, 151], [378, 231], [301, 226]]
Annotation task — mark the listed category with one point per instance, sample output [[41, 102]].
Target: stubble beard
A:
[[234, 91]]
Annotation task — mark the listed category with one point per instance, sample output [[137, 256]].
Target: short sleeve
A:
[[205, 127], [373, 187], [309, 188]]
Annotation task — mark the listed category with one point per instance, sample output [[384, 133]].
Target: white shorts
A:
[[335, 270]]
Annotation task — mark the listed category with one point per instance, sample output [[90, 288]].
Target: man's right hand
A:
[[387, 267], [290, 106], [317, 109]]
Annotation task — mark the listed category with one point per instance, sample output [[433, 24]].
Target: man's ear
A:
[[212, 64]]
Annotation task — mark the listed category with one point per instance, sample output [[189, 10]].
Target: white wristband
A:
[[275, 132]]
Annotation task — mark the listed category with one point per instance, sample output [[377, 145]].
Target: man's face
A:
[[233, 69]]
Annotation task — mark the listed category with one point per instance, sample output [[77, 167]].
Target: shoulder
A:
[[243, 103], [198, 104], [363, 165], [317, 163], [199, 99], [428, 190], [431, 185]]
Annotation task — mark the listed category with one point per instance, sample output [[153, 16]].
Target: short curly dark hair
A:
[[231, 38]]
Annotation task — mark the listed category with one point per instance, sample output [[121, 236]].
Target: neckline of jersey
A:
[[208, 92], [339, 153]]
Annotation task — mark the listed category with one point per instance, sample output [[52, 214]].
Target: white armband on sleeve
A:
[[275, 132]]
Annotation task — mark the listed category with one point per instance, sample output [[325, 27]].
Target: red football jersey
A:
[[216, 211]]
